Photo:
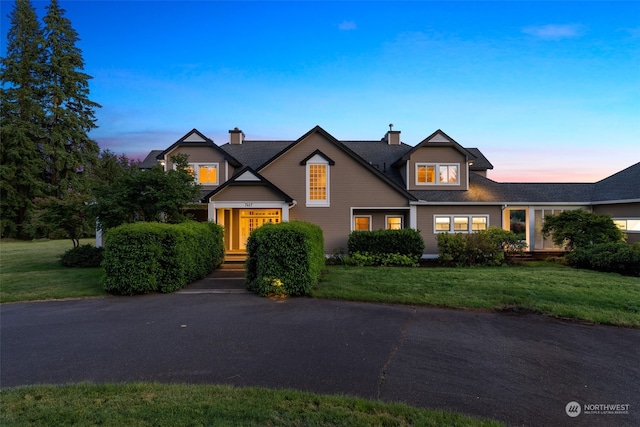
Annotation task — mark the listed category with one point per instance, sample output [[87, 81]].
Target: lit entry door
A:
[[250, 219]]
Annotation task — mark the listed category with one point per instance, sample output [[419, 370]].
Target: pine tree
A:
[[21, 119], [70, 112]]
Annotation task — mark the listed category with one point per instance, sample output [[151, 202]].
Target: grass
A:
[[32, 271], [546, 288], [181, 405]]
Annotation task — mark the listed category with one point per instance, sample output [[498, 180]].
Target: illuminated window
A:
[[317, 180], [362, 223], [204, 173], [632, 225], [208, 174], [461, 223], [478, 223], [394, 222], [447, 174], [443, 223]]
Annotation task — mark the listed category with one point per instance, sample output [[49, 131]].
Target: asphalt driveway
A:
[[521, 369]]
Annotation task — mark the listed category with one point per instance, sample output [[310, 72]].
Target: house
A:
[[435, 186]]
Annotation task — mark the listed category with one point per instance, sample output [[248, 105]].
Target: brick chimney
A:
[[236, 136], [392, 136]]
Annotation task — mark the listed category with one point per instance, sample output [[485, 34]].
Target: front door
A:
[[250, 219]]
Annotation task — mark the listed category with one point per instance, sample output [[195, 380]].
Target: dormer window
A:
[[437, 174], [317, 167]]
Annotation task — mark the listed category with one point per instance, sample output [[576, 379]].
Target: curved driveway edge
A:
[[521, 369]]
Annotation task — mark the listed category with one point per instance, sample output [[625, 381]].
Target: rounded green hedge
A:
[[149, 256], [285, 258]]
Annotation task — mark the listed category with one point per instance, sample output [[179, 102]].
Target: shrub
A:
[[145, 257], [85, 256], [578, 228], [285, 258], [608, 257], [366, 259], [406, 241], [493, 246]]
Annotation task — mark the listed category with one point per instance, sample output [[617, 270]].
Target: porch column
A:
[[413, 217], [211, 212]]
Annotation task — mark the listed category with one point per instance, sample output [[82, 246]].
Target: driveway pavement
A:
[[521, 369]]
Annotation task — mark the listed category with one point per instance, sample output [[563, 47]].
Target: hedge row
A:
[[487, 247], [406, 241], [618, 257], [148, 256], [285, 258]]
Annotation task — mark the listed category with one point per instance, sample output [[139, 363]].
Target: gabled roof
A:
[[437, 139], [195, 138], [348, 151], [248, 176], [480, 163], [624, 185]]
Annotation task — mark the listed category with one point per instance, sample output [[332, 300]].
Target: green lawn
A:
[[32, 271], [194, 405], [546, 288]]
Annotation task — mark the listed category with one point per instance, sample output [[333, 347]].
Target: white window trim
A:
[[451, 222], [437, 173], [353, 223], [196, 171], [386, 221], [318, 160]]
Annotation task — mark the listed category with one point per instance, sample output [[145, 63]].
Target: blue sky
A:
[[548, 91]]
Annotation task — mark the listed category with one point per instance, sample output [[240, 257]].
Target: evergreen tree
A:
[[21, 119], [70, 113]]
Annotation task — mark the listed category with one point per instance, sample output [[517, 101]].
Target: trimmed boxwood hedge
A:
[[149, 256], [385, 247], [285, 258]]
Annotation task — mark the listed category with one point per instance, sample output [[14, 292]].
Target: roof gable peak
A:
[[194, 135]]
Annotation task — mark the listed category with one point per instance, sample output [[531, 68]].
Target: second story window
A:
[[204, 173], [437, 173], [317, 170]]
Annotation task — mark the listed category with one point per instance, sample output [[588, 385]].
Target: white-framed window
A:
[[459, 223], [394, 222], [478, 223], [437, 174], [362, 223], [628, 224], [317, 181], [442, 223], [204, 173]]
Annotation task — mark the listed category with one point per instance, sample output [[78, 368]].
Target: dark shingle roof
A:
[[381, 155], [485, 190], [624, 185], [255, 153], [480, 163], [151, 160]]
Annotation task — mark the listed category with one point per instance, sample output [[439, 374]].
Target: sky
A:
[[548, 91]]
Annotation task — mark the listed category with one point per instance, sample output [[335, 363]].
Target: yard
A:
[[31, 271], [188, 405], [537, 287]]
